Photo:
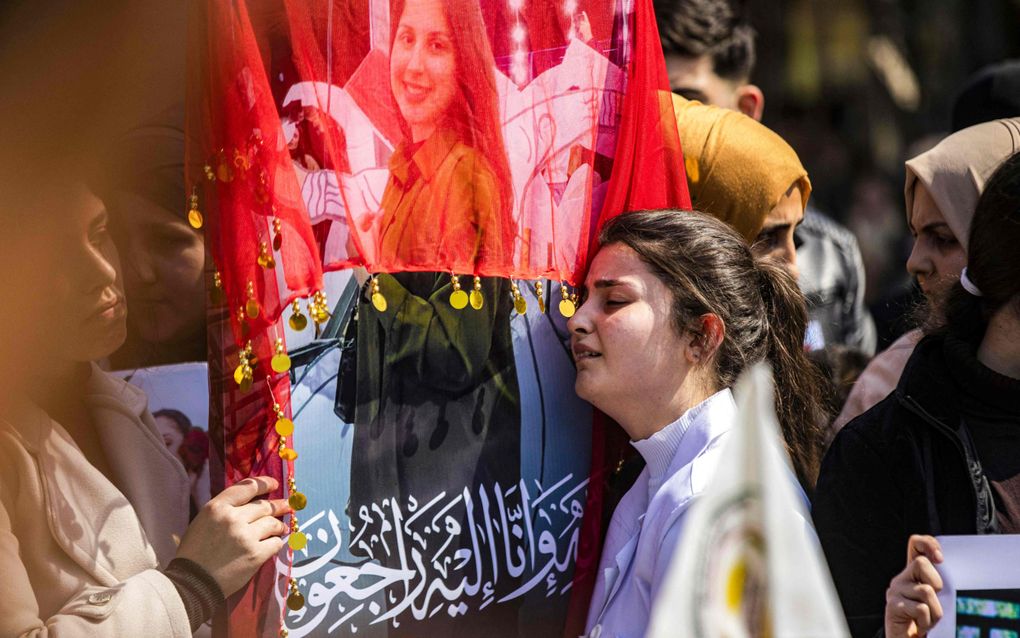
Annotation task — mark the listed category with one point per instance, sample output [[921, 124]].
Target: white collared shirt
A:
[[647, 525]]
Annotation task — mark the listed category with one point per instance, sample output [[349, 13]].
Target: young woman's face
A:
[[88, 320], [624, 342], [423, 66], [938, 257], [163, 261]]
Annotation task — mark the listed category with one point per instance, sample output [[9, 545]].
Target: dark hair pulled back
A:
[[993, 256], [710, 269]]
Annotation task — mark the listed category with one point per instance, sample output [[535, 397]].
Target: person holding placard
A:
[[941, 454]]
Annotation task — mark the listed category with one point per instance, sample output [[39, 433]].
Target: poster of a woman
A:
[[449, 190], [446, 494], [437, 401]]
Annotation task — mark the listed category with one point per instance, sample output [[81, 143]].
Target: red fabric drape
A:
[[301, 110], [508, 165]]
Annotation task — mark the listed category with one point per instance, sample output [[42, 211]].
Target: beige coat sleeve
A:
[[146, 604]]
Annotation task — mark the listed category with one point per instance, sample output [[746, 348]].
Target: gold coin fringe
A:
[[297, 540], [460, 299], [223, 166]]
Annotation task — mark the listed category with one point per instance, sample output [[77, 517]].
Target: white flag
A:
[[749, 563]]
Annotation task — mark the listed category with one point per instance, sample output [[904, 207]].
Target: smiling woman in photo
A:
[[437, 403], [449, 194]]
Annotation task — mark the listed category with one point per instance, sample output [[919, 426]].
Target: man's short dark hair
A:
[[695, 28]]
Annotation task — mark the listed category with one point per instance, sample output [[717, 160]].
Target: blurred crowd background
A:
[[859, 86], [855, 86]]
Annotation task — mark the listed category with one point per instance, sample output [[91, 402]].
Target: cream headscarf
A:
[[955, 171], [737, 169]]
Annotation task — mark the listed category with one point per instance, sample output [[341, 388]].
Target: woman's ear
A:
[[707, 340]]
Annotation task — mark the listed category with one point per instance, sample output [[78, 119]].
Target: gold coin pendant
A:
[[295, 601], [477, 300], [284, 427], [297, 541], [280, 363], [298, 322], [459, 299], [520, 305], [297, 501], [567, 308]]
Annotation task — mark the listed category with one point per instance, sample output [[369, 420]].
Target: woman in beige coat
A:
[[94, 535]]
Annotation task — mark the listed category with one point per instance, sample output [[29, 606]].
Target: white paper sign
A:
[[981, 587]]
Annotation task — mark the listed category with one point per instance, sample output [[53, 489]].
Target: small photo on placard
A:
[[979, 598], [988, 613], [178, 399]]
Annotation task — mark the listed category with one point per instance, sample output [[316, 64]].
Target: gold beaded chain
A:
[[284, 427]]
